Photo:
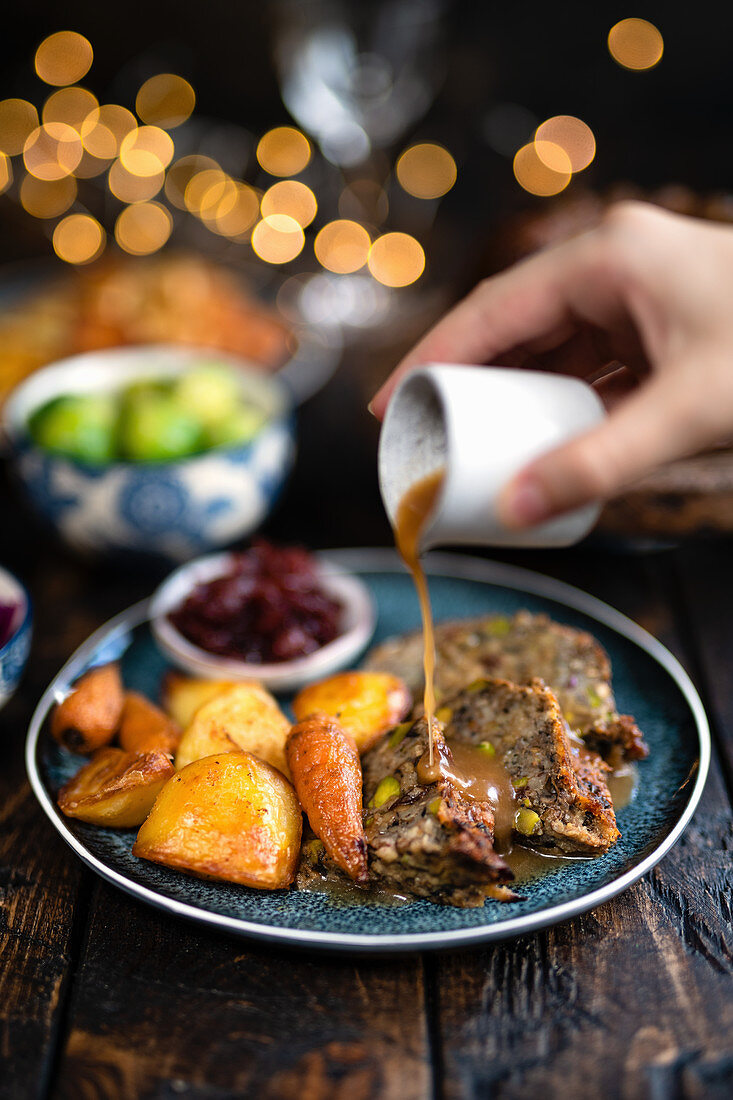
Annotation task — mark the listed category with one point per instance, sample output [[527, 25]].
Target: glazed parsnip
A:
[[145, 728], [245, 717], [229, 816], [183, 695], [116, 788], [326, 771], [365, 704], [89, 716]]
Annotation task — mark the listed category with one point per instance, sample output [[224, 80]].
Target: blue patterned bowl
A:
[[173, 510], [14, 654]]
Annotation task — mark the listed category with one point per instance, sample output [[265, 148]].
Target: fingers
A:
[[651, 427], [537, 304]]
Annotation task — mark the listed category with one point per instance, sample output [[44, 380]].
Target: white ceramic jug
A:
[[482, 425]]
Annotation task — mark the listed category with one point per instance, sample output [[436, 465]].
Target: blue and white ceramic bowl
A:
[[175, 509], [14, 654]]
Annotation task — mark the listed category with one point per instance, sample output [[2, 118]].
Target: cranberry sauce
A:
[[269, 607]]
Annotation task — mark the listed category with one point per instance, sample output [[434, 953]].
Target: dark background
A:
[[668, 125], [665, 126]]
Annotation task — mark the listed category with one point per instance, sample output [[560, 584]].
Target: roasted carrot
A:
[[326, 771], [146, 728], [89, 716]]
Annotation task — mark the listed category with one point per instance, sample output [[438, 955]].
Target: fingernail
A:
[[370, 408], [524, 503]]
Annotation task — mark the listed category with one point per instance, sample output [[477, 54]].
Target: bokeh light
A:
[[69, 105], [426, 171], [143, 228], [130, 188], [635, 44], [18, 120], [90, 166], [64, 58], [292, 198], [145, 151], [236, 212], [47, 198], [396, 259], [165, 100], [548, 175], [342, 246], [204, 189], [572, 135], [180, 174], [52, 151], [78, 239], [283, 151], [277, 239], [553, 156], [6, 172], [105, 128]]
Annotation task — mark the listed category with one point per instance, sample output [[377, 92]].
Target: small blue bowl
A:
[[174, 510], [14, 654]]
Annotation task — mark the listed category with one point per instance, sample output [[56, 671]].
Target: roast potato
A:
[[183, 695], [326, 771], [243, 717], [145, 728], [116, 788], [365, 704], [228, 816], [89, 716]]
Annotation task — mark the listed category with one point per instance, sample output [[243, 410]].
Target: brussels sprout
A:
[[240, 427], [155, 428], [80, 426], [210, 392]]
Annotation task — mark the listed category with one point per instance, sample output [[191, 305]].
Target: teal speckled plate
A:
[[649, 683]]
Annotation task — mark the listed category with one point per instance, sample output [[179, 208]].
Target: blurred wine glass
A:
[[358, 75]]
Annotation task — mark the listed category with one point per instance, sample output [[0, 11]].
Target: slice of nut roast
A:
[[562, 799], [518, 648], [428, 840]]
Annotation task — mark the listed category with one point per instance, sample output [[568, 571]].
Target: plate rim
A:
[[383, 560]]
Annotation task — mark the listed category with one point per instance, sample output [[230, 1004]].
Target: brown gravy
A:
[[341, 892], [622, 785], [414, 511], [530, 863], [481, 777]]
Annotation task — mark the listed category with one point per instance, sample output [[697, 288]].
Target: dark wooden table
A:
[[102, 997]]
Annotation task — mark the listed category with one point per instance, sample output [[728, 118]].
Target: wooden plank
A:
[[162, 1007], [39, 882], [42, 892], [39, 879], [706, 596], [631, 1000]]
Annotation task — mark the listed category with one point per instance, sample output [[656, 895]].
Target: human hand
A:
[[645, 288]]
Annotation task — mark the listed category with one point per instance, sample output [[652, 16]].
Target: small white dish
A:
[[482, 425], [358, 622]]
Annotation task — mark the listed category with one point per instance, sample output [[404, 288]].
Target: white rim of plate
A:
[[386, 561]]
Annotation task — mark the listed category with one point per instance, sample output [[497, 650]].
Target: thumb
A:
[[648, 429]]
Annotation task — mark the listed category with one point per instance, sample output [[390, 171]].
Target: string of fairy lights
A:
[[46, 159]]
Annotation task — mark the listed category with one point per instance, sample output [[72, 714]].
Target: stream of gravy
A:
[[413, 513], [482, 777]]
